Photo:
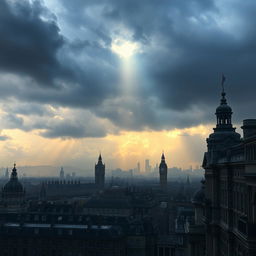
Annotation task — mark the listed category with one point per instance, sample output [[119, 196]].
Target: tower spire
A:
[[100, 158], [223, 111], [163, 157], [14, 172]]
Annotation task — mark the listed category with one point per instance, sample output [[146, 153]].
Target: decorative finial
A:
[[223, 100], [100, 158], [14, 165]]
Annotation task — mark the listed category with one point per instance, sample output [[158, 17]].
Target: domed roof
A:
[[223, 107], [13, 185], [199, 196]]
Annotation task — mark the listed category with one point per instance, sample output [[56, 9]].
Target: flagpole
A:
[[223, 79]]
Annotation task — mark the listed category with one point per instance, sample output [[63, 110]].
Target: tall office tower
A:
[[100, 173], [138, 166], [6, 175], [62, 174], [163, 172], [147, 166], [230, 188]]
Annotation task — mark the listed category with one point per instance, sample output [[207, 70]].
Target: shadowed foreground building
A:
[[230, 188]]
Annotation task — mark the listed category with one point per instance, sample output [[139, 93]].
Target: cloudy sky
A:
[[128, 78]]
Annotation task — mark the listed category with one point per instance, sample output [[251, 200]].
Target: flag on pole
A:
[[223, 79]]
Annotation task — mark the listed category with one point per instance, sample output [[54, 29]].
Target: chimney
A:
[[249, 128]]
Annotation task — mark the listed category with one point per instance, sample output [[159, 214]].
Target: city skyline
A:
[[115, 77]]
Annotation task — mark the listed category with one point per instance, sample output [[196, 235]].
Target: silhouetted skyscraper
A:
[[62, 174], [147, 166], [42, 194], [163, 172], [138, 166], [100, 173], [6, 175]]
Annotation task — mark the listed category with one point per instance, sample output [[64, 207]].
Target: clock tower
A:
[[163, 172]]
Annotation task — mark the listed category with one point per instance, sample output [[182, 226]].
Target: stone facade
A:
[[230, 187]]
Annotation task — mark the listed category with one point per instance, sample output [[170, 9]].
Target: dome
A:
[[13, 187], [199, 196], [223, 109]]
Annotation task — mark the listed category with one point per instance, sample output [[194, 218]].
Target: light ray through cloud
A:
[[124, 49]]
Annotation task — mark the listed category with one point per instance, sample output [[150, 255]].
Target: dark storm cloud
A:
[[28, 44], [32, 47], [195, 41], [54, 123], [73, 130], [184, 48], [27, 109], [13, 121]]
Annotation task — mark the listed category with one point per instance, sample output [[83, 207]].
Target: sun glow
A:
[[124, 49]]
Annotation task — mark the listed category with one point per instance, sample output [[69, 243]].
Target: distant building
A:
[[6, 175], [62, 174], [156, 167], [138, 167], [147, 166], [42, 193], [163, 172], [100, 173]]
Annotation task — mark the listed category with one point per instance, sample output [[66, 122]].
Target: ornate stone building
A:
[[230, 188], [100, 173], [163, 172]]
